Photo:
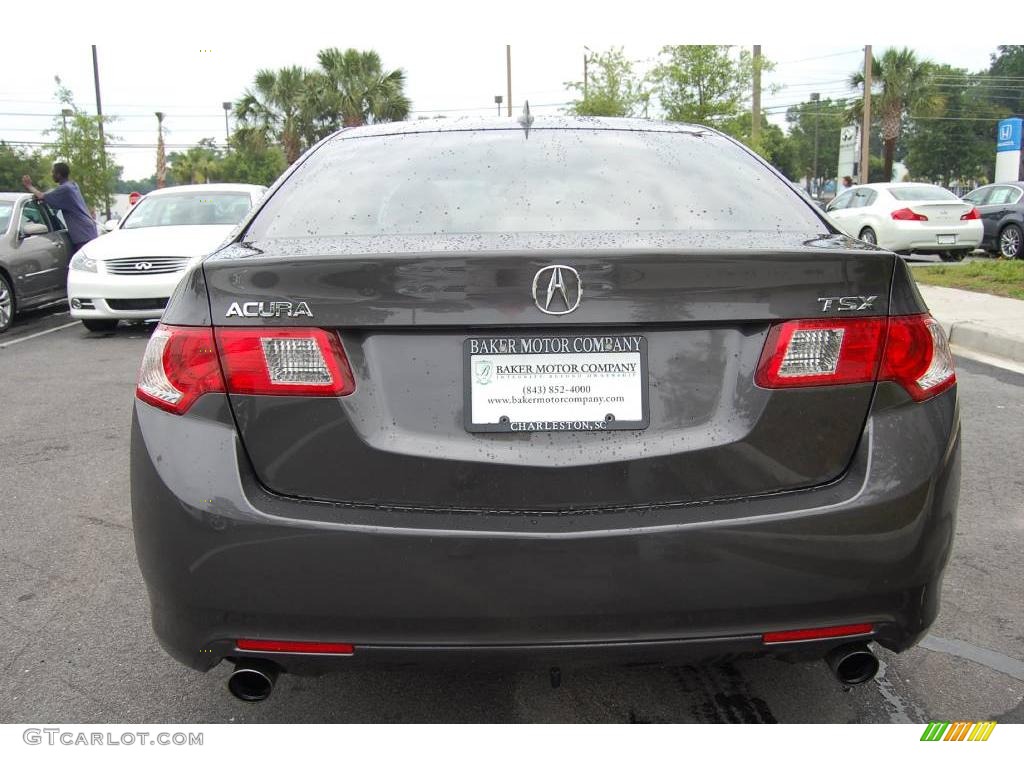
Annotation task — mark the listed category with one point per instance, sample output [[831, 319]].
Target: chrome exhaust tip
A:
[[853, 664], [253, 679]]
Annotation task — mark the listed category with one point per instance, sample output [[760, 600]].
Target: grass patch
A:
[[1000, 278]]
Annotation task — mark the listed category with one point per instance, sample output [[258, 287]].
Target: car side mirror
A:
[[110, 225]]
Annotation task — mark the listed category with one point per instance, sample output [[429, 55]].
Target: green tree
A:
[[999, 88], [906, 85], [955, 148], [78, 144], [15, 163], [773, 145], [612, 89], [704, 84], [354, 86], [280, 105], [251, 160], [198, 165], [827, 118]]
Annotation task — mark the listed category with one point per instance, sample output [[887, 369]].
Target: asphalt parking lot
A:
[[76, 645]]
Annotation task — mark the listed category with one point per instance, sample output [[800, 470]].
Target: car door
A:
[[57, 281], [39, 254], [998, 205], [838, 211]]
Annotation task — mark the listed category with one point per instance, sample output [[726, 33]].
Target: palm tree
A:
[[358, 89], [906, 86], [278, 105]]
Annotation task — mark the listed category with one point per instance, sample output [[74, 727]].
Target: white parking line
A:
[[37, 335]]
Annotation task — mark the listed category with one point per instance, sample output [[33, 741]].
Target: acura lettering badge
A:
[[564, 282]]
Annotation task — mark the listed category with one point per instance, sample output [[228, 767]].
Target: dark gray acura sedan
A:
[[545, 390]]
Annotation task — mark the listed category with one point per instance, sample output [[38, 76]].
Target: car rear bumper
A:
[[225, 559], [916, 236], [90, 294]]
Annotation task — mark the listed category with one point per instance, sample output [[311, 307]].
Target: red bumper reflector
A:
[[294, 646], [791, 635]]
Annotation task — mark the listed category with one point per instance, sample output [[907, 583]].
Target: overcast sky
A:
[[455, 73]]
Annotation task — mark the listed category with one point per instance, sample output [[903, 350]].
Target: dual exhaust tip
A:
[[254, 679], [852, 664]]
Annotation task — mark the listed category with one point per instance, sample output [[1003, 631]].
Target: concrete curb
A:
[[985, 340]]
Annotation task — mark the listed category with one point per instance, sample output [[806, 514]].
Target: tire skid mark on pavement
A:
[[722, 695]]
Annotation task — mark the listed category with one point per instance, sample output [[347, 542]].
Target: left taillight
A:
[[181, 364]]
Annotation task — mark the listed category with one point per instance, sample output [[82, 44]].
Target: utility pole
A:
[[865, 130], [755, 118], [103, 139], [508, 71], [227, 131], [816, 98]]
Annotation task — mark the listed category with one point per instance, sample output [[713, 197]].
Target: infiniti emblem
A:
[[142, 265], [564, 282]]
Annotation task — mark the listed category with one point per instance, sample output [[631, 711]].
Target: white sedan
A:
[[131, 272], [909, 218]]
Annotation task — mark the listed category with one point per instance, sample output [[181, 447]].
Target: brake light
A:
[[309, 362], [911, 350], [905, 214], [971, 215], [792, 635], [179, 365]]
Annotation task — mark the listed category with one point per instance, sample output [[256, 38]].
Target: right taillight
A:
[[181, 364], [917, 356], [971, 215], [910, 350], [905, 214]]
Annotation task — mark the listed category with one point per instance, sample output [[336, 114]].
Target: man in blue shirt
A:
[[67, 198]]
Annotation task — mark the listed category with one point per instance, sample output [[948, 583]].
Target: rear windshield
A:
[[194, 208], [922, 193], [500, 181], [6, 209]]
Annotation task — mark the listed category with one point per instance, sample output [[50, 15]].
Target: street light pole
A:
[[227, 131], [65, 114], [816, 98], [103, 138], [508, 72]]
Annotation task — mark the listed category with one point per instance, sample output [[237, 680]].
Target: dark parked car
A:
[[34, 253], [561, 391], [1002, 214]]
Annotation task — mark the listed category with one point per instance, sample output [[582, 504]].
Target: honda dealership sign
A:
[[1008, 142]]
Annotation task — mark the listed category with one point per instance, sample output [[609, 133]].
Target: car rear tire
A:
[[953, 256], [100, 326], [868, 236], [7, 303], [1011, 240]]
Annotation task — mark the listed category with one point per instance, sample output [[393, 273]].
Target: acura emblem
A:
[[142, 265], [563, 282]]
